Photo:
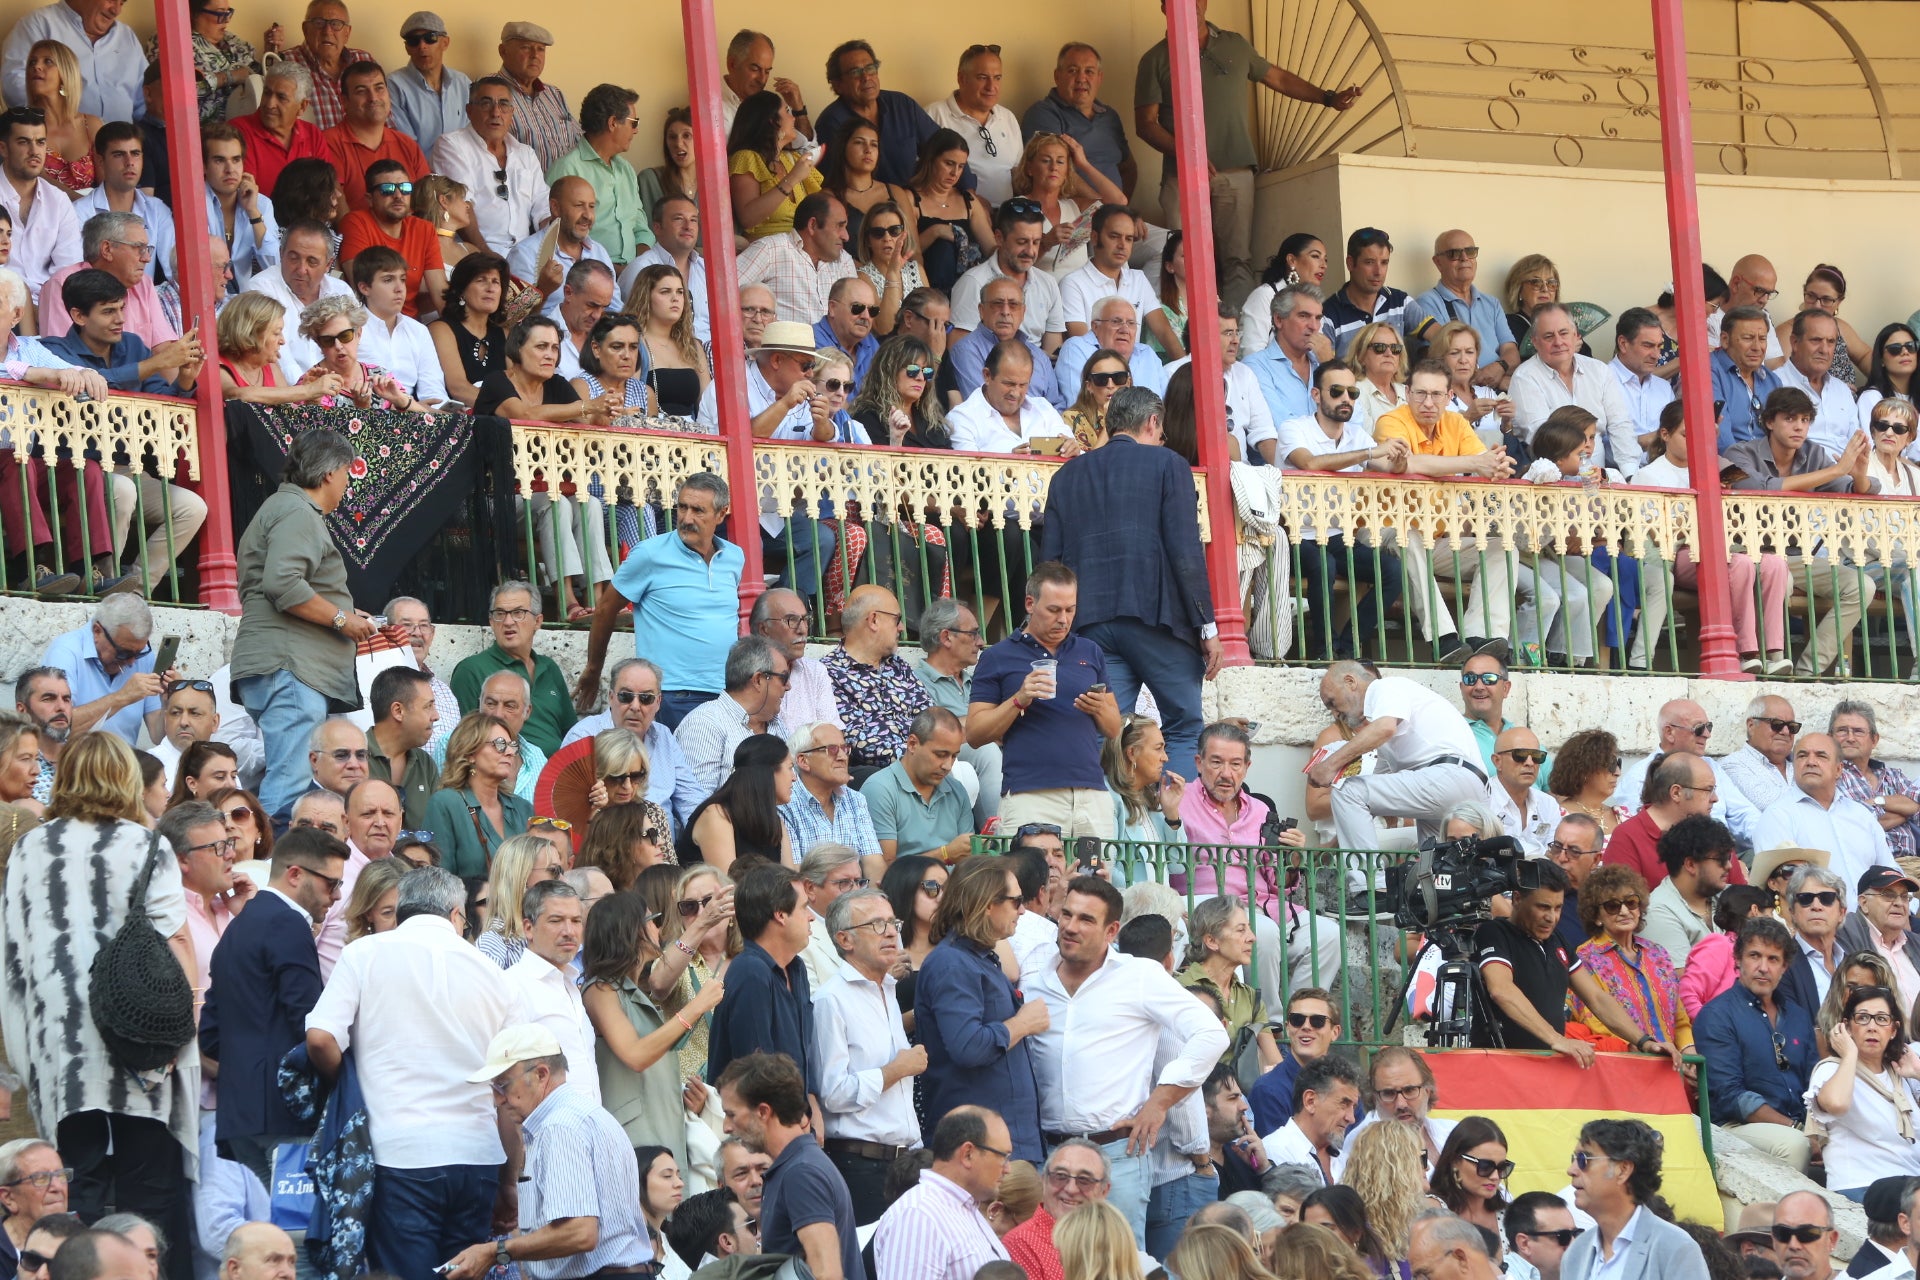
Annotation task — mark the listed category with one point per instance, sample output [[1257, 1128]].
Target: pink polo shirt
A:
[[1205, 823], [145, 317]]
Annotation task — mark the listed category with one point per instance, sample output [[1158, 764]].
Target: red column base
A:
[[1720, 655], [220, 582]]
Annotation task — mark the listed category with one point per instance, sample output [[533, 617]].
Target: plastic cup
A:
[[1050, 667]]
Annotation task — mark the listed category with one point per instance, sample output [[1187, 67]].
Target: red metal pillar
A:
[[1203, 297], [716, 221], [1719, 654], [219, 587]]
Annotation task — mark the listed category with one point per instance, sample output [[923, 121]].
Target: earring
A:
[[1293, 277]]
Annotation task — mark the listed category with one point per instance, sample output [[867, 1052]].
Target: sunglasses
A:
[[329, 340], [416, 38], [1489, 1168], [1318, 1021], [834, 749], [1825, 897], [920, 371], [203, 686], [499, 175], [393, 188], [638, 778], [891, 230], [627, 697], [505, 746], [1338, 392], [1384, 348], [1563, 1237], [340, 755], [862, 308], [1778, 726], [691, 907], [31, 1261], [1568, 850], [834, 386], [1526, 755], [1120, 379], [1612, 905], [1901, 348], [1487, 678], [1882, 425], [239, 813], [1805, 1233], [932, 888]]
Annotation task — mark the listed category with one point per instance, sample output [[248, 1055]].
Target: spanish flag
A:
[[1541, 1100]]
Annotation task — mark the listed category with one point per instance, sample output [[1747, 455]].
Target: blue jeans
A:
[[1171, 1204], [287, 712], [1130, 1186], [1138, 654], [422, 1217], [677, 704], [812, 545]]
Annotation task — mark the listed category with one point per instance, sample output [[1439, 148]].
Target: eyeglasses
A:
[[414, 38], [627, 697], [203, 686], [637, 778], [879, 928], [1120, 379], [1335, 391], [42, 1180], [1406, 1093], [500, 1086], [511, 615], [834, 386], [1873, 1019], [861, 72], [1882, 425], [330, 828], [920, 371], [1825, 897], [328, 24], [1611, 905], [1525, 755], [758, 313], [834, 749], [1084, 1181], [227, 845], [327, 341], [1489, 1168], [144, 250], [1487, 678], [1429, 395], [978, 1146], [891, 230], [340, 755], [1467, 254], [1778, 726], [691, 907], [332, 882], [1804, 1233], [1384, 348], [784, 677], [1540, 282], [1317, 1021], [847, 884], [932, 888], [393, 188], [1563, 1237], [1568, 850]]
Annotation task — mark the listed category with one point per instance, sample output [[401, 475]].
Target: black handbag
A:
[[140, 998]]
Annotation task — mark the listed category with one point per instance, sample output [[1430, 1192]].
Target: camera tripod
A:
[[1457, 989]]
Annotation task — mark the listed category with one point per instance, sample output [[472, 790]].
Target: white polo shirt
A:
[[1082, 290], [977, 426], [1249, 420], [1836, 419], [1045, 313], [1429, 726]]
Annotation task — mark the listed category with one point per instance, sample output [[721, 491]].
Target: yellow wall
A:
[[1606, 230]]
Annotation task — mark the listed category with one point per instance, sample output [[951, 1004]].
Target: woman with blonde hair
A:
[[1095, 1243], [1050, 173], [1213, 1251], [252, 329], [448, 205], [476, 808], [1378, 358], [1456, 344], [54, 88], [1311, 1252], [1015, 1197], [1532, 282], [675, 363], [620, 773], [1387, 1167], [376, 897], [518, 864]]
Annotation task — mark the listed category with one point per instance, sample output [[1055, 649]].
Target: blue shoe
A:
[[105, 586], [53, 585]]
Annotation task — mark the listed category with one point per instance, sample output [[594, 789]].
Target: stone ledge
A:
[[1747, 1177]]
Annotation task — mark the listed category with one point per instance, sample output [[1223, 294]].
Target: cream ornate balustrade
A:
[[138, 426], [641, 462], [1854, 528]]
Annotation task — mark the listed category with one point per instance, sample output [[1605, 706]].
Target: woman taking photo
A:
[[1457, 345], [1825, 289], [700, 914], [769, 181], [610, 363], [1863, 1097], [374, 906], [335, 325], [1300, 259], [1638, 974], [1055, 174], [293, 667], [913, 884], [475, 808], [1379, 361], [885, 252], [1616, 1182], [1104, 374], [518, 864], [1896, 354], [675, 362], [54, 89], [954, 228], [252, 329], [674, 177], [125, 1136], [640, 1080], [741, 819], [448, 207], [1473, 1167], [467, 337], [849, 176], [1586, 772]]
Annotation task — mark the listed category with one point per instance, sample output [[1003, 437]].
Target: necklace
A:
[[860, 191], [1600, 813]]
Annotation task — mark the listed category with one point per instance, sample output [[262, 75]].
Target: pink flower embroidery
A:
[[354, 425], [358, 469], [386, 451]]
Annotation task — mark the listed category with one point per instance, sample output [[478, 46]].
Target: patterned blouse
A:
[[1649, 991], [211, 60], [876, 704]]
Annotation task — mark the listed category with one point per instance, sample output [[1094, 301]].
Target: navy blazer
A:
[[1796, 984], [265, 980], [1124, 517]]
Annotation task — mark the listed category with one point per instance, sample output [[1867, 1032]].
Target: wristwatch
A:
[[339, 620], [501, 1258]]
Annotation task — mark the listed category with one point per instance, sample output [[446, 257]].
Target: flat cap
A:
[[423, 20], [532, 32]]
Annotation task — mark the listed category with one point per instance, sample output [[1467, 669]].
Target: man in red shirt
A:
[[1076, 1172], [363, 137], [387, 220], [1682, 786], [275, 135]]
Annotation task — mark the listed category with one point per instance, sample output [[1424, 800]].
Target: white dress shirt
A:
[[1307, 433], [1289, 1144], [1034, 935], [50, 238], [406, 351], [1645, 397], [1249, 420], [1836, 419], [463, 156], [1045, 312], [992, 168], [550, 996], [1537, 391], [1755, 777], [695, 274], [857, 1031], [1086, 288], [1848, 831], [978, 426], [1531, 829], [157, 217], [417, 1041], [299, 353], [1615, 1268], [1114, 1019], [111, 68]]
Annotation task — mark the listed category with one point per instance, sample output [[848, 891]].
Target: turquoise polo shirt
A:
[[899, 813], [686, 610]]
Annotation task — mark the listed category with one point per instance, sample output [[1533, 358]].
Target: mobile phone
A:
[[1097, 688], [169, 650], [1086, 853]]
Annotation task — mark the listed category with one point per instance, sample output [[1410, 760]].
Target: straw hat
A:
[[789, 336], [1768, 861]]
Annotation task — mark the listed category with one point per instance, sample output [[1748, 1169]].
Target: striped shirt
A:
[[580, 1165], [935, 1232], [542, 120]]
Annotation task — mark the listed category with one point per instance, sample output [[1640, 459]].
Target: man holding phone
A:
[[111, 669]]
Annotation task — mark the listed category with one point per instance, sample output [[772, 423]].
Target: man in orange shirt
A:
[[387, 220], [363, 137], [1443, 444]]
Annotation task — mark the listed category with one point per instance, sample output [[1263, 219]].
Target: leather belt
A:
[[1471, 766], [865, 1150], [1099, 1139]]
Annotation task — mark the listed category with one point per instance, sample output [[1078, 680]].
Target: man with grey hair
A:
[[1116, 326], [436, 1145], [413, 615], [634, 704], [337, 755], [553, 921], [780, 614], [507, 208], [1816, 905], [825, 810], [508, 695], [749, 61], [513, 611], [1123, 519], [1444, 1245], [1076, 1171], [1558, 375], [685, 593], [1758, 770], [109, 666], [874, 688], [828, 872], [120, 245], [278, 133], [587, 293], [867, 1065], [592, 884], [321, 810], [950, 637], [1890, 793], [757, 673], [1284, 367]]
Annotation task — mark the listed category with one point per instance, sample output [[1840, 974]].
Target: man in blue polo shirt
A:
[[1457, 258], [685, 591], [853, 69], [1284, 367], [109, 666], [96, 302], [1042, 695]]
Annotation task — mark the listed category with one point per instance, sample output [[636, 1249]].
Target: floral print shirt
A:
[[211, 60], [876, 704]]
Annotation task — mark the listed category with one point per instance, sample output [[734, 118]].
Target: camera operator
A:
[[1527, 971]]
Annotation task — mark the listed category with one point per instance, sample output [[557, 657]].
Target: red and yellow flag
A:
[[1540, 1101]]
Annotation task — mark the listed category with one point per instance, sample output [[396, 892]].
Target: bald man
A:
[[1527, 814], [1457, 260], [257, 1251], [875, 690], [574, 205], [1754, 283], [1814, 815], [1683, 725]]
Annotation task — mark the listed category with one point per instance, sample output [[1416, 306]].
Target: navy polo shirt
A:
[[1054, 744], [903, 128]]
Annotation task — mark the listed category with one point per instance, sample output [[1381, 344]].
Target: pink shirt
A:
[[145, 318], [1205, 823], [333, 930], [206, 921]]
